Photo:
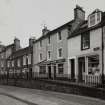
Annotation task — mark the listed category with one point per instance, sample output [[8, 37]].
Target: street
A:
[[10, 95], [5, 100]]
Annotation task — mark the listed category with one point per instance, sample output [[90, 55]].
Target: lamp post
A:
[[102, 57], [27, 65]]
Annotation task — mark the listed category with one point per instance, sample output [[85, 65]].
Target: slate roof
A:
[[84, 27], [68, 24], [22, 52]]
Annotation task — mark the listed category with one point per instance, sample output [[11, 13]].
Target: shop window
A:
[[60, 69], [93, 64], [85, 41], [42, 69]]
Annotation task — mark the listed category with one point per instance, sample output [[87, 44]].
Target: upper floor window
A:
[[8, 63], [49, 54], [94, 19], [18, 62], [40, 43], [2, 55], [85, 41], [40, 56], [24, 59], [2, 64], [29, 58], [49, 40], [60, 52], [12, 63], [59, 36]]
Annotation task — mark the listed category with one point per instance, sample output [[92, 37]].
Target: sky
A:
[[26, 18]]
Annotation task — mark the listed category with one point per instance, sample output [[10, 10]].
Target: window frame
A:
[[97, 17], [59, 38], [82, 42], [94, 68], [49, 40], [60, 68], [49, 58], [61, 53], [40, 43], [40, 57], [24, 60], [42, 69]]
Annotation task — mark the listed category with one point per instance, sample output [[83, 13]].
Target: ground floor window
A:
[[93, 64], [42, 69], [60, 68]]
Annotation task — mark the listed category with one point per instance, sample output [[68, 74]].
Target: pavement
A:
[[10, 95]]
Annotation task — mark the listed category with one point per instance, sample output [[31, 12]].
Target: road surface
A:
[[10, 95]]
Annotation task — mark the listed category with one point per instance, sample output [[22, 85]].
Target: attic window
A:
[[94, 19]]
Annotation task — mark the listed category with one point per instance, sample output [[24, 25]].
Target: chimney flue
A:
[[79, 13], [45, 31]]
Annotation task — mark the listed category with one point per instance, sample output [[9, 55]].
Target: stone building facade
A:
[[50, 51]]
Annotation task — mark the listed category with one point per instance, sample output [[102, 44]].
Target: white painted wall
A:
[[74, 44], [74, 47]]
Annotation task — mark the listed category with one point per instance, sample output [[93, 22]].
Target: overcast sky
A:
[[25, 18]]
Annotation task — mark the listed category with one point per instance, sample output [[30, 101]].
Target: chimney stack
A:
[[31, 41], [79, 13], [17, 44], [45, 31]]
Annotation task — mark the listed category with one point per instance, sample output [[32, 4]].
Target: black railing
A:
[[88, 80]]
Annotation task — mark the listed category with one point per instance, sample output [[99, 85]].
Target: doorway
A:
[[54, 71], [81, 68], [49, 72], [72, 69]]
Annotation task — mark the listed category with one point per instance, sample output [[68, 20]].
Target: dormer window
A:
[[94, 18]]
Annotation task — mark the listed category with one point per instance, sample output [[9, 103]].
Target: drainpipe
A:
[[102, 57]]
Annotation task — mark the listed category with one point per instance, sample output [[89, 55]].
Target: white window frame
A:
[[58, 69], [18, 62], [24, 60], [48, 40], [12, 63], [92, 68], [48, 55], [58, 40], [40, 44], [96, 22], [40, 57], [2, 55], [58, 53], [2, 64], [29, 58], [8, 63]]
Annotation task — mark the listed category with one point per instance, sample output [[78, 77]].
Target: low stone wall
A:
[[59, 86]]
